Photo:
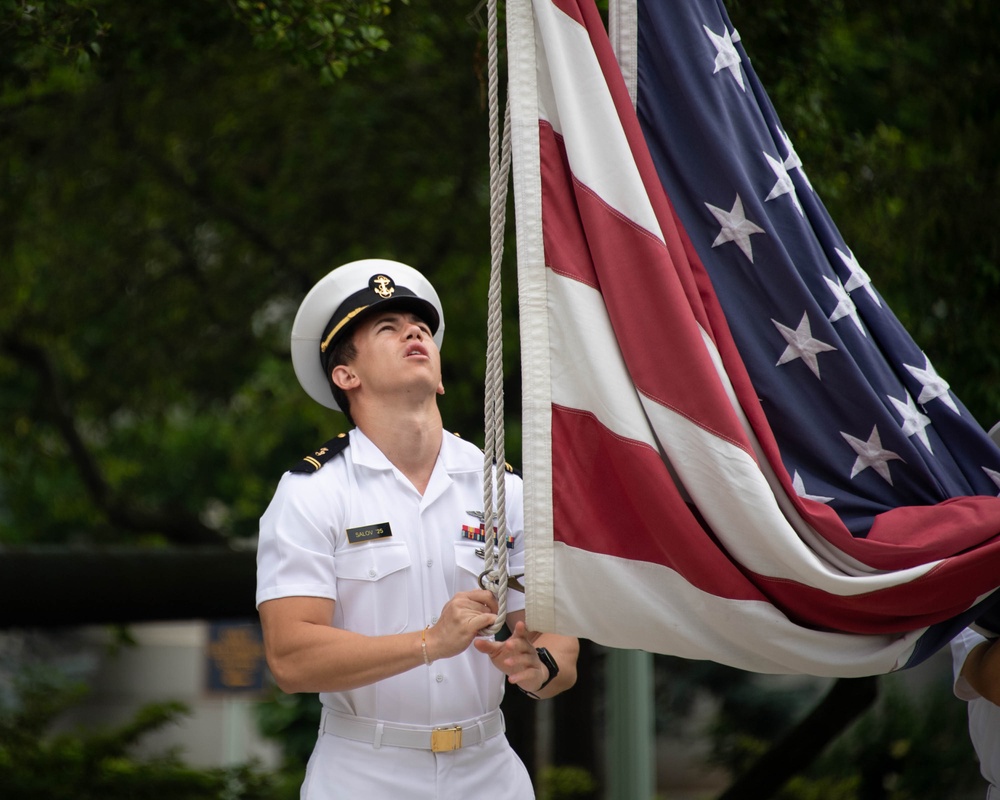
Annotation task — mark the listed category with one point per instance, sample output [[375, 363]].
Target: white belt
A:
[[436, 739]]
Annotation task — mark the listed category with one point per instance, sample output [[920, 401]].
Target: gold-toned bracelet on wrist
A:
[[423, 646]]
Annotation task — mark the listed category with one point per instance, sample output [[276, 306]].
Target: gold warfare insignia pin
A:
[[382, 285]]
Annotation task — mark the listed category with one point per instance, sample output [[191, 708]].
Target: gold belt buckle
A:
[[445, 739]]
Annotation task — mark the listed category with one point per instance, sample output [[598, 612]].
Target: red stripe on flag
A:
[[571, 9], [941, 594], [615, 496], [589, 241]]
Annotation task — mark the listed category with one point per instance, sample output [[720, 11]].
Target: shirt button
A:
[[430, 562], [434, 620], [371, 573], [439, 677]]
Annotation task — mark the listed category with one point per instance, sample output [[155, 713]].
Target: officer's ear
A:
[[344, 378]]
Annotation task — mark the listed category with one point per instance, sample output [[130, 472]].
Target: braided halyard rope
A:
[[494, 507]]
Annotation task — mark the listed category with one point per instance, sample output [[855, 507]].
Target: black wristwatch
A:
[[546, 658]]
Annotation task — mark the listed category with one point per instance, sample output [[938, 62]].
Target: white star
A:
[[726, 56], [845, 305], [801, 344], [914, 422], [735, 227], [800, 490], [994, 476], [784, 184], [793, 161], [935, 387], [858, 277], [871, 454]]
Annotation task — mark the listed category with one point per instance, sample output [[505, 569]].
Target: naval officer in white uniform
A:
[[368, 576]]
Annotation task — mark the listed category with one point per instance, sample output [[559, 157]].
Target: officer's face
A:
[[396, 353]]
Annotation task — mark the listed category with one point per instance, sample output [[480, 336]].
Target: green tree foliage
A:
[[329, 35], [565, 783], [39, 763], [161, 214], [43, 37]]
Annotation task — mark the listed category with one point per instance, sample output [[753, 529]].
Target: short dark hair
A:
[[343, 351]]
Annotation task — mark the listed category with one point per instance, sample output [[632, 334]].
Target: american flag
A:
[[732, 449]]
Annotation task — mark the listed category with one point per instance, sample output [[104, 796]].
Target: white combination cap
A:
[[345, 295]]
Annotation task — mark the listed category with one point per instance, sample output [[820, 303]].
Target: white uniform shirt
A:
[[358, 532], [984, 716]]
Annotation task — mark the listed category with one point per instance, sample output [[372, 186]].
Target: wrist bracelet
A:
[[423, 646]]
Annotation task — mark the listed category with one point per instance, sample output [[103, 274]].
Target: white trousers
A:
[[342, 769]]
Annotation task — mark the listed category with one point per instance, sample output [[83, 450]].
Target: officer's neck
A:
[[409, 438]]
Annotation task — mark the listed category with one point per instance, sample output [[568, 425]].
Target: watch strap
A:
[[550, 664]]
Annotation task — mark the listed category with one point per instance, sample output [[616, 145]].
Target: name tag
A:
[[369, 533]]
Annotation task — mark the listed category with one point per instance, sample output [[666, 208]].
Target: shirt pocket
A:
[[468, 566], [372, 585]]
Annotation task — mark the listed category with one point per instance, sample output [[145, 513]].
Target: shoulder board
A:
[[506, 464], [313, 462]]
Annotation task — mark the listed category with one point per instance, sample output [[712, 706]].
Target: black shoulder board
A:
[[508, 468], [311, 463], [506, 464]]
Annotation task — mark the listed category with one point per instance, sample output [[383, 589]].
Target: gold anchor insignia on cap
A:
[[382, 285]]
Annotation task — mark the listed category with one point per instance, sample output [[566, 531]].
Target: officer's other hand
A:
[[517, 658]]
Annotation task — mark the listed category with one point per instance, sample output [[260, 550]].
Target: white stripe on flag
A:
[[571, 73], [656, 606]]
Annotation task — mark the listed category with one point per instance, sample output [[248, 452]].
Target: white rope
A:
[[494, 463]]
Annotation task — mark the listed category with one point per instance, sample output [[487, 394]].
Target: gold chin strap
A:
[[338, 326]]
